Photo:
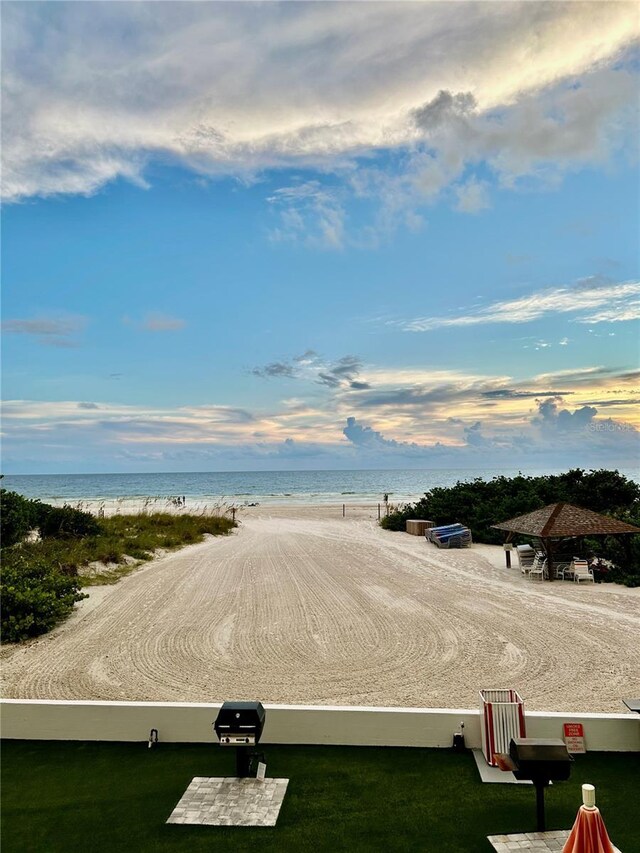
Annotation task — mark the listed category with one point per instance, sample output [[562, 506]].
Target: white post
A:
[[589, 796]]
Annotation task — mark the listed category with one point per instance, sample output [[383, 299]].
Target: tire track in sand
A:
[[299, 610]]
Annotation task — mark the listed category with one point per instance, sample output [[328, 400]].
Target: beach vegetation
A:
[[35, 595], [43, 574], [480, 503], [64, 521], [17, 517]]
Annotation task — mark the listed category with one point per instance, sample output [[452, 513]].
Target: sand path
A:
[[303, 606]]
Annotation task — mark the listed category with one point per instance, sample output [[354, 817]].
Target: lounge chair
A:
[[581, 571], [526, 552], [459, 539], [526, 556], [564, 569], [449, 536], [539, 567], [431, 533]]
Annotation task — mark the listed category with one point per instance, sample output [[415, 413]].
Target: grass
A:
[[125, 536], [68, 796]]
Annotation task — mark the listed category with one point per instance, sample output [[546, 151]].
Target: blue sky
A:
[[319, 235]]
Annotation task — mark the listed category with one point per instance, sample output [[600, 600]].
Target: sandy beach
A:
[[301, 605]]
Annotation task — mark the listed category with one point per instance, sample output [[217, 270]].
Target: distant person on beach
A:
[[386, 498]]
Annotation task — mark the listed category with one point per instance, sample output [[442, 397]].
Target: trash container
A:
[[502, 720]]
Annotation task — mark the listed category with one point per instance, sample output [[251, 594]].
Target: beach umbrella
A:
[[589, 834]]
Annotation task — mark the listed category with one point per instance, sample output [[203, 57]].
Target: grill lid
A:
[[244, 717], [534, 750], [539, 759]]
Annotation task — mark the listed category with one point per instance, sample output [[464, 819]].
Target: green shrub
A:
[[65, 521], [35, 595], [17, 517]]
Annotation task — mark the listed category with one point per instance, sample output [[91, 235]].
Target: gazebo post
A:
[[507, 551], [550, 566]]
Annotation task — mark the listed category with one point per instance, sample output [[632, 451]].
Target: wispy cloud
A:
[[346, 369], [614, 313], [514, 394], [56, 331], [155, 322], [472, 196], [613, 298], [275, 369], [342, 373], [309, 213]]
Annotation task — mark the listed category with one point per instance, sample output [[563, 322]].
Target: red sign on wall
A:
[[574, 737]]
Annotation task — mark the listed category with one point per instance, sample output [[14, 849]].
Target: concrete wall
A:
[[177, 722]]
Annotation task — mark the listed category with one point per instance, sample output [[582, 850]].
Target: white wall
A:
[[39, 719]]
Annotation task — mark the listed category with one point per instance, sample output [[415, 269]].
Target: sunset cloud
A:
[[420, 416]]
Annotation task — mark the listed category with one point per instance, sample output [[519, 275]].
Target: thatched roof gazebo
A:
[[561, 521]]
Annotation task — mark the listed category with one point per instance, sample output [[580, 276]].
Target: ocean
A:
[[245, 487]]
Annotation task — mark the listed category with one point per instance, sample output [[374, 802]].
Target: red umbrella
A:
[[589, 834]]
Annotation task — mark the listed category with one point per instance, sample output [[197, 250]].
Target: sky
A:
[[253, 236]]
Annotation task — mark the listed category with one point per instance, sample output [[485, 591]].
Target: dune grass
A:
[[124, 540], [63, 796]]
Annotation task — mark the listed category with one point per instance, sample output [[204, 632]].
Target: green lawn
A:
[[68, 796]]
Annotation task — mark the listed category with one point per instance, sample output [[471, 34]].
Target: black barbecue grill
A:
[[240, 724], [539, 760]]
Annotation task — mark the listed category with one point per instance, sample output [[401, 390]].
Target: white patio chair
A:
[[582, 572], [539, 568], [564, 571]]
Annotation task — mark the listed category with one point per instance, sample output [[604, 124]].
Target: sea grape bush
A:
[[34, 596], [17, 517], [65, 521], [36, 592]]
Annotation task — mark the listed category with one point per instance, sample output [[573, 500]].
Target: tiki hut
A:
[[563, 521]]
